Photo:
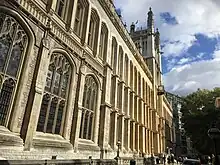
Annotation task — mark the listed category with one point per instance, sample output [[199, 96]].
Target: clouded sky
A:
[[190, 32]]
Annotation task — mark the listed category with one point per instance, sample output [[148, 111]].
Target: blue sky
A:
[[190, 32]]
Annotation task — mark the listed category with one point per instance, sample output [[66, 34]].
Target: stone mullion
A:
[[78, 113], [98, 39], [87, 25], [96, 120]]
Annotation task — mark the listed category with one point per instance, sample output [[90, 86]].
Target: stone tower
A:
[[148, 42]]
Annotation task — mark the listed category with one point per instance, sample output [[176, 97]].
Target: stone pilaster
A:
[[96, 121], [105, 112], [33, 109], [87, 25], [78, 107], [98, 39]]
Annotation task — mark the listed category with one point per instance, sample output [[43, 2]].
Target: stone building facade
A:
[[73, 83]]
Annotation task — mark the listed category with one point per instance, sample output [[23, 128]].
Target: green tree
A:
[[198, 116]]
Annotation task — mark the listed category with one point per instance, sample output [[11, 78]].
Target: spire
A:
[[150, 20], [157, 40], [132, 28]]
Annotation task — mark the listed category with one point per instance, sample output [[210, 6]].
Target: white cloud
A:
[[188, 78], [183, 61], [193, 17]]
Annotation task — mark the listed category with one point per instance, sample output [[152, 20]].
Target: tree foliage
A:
[[198, 116]]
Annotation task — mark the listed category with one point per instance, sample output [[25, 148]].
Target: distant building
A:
[[182, 144]]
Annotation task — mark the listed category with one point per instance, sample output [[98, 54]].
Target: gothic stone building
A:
[[73, 83]]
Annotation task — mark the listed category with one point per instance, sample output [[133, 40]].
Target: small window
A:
[[61, 8], [78, 19], [93, 31], [103, 42]]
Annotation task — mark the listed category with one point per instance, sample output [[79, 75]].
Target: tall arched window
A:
[[103, 42], [55, 95], [89, 106], [81, 17], [62, 8], [13, 44], [114, 54], [93, 31]]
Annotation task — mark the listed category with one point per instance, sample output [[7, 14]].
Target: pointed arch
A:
[[93, 30], [16, 41], [103, 44], [90, 100], [55, 101]]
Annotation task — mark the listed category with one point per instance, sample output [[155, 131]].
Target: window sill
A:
[[88, 145], [51, 140], [9, 138]]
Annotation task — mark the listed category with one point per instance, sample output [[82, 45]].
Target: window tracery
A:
[[55, 95], [89, 106], [13, 44]]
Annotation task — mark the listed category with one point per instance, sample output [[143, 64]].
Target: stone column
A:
[[87, 25], [96, 121], [98, 39]]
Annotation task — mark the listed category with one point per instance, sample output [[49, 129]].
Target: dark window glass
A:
[[13, 42], [57, 85]]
